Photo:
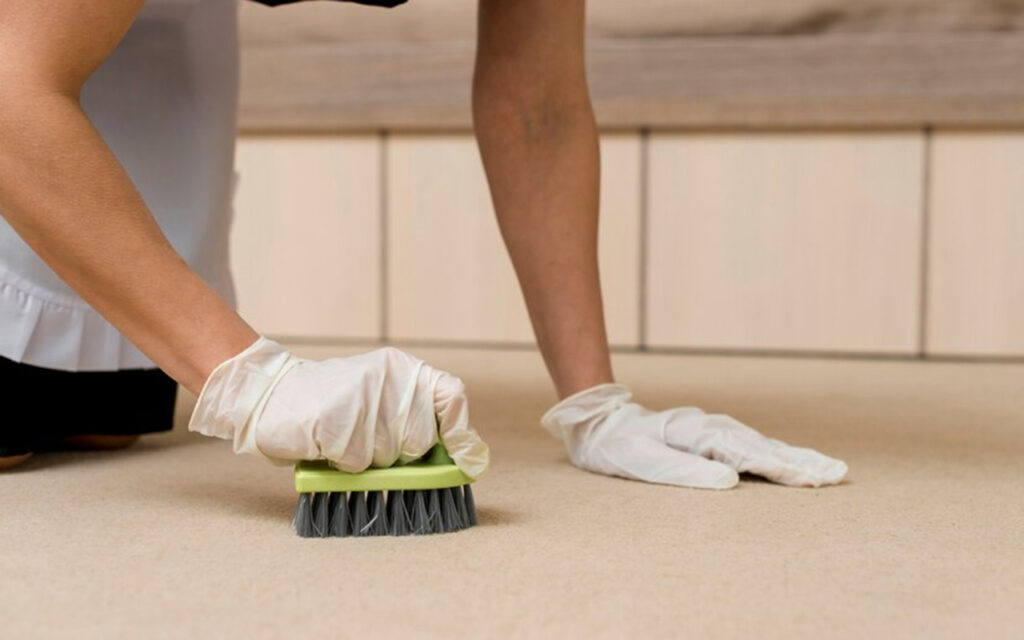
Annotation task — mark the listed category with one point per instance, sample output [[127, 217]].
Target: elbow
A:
[[26, 91], [26, 79]]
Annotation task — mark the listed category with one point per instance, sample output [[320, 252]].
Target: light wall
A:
[[899, 243]]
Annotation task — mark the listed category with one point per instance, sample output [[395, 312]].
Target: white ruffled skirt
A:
[[165, 102]]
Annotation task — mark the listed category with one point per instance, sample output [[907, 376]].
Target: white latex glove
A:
[[374, 409], [606, 433]]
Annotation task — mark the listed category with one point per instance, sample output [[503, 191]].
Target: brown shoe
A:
[[97, 443]]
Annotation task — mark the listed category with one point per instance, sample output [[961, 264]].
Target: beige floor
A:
[[179, 538]]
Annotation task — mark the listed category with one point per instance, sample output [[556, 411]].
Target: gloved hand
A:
[[606, 433], [373, 409]]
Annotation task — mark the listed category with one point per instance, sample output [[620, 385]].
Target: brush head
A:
[[431, 495], [384, 513]]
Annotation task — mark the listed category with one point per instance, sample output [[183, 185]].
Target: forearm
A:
[[539, 145], [64, 192], [544, 193]]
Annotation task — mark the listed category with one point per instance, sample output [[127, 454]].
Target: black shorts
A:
[[45, 405]]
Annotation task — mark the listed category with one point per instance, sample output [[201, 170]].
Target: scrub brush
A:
[[431, 495]]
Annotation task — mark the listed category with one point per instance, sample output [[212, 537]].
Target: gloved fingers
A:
[[337, 431], [353, 456], [418, 442], [743, 448], [281, 431], [284, 444], [795, 466], [421, 431], [782, 463], [463, 443], [647, 459], [404, 421], [334, 424]]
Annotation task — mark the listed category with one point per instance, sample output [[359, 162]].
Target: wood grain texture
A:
[[785, 242], [976, 244], [306, 240], [453, 20], [449, 274], [819, 80]]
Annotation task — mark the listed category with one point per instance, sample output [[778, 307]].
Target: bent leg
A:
[[82, 410]]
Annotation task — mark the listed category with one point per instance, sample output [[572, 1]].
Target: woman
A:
[[68, 198]]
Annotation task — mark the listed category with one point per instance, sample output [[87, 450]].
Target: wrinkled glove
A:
[[605, 433], [375, 409]]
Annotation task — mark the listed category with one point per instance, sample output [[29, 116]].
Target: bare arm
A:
[[538, 140], [539, 145], [64, 192]]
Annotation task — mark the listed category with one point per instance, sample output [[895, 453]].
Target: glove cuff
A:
[[584, 406], [235, 392]]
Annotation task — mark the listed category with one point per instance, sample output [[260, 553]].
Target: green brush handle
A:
[[439, 455], [433, 471]]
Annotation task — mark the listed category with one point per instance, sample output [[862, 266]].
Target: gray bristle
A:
[[467, 498], [303, 520], [379, 513], [418, 512], [434, 524], [450, 519], [397, 517], [378, 524], [460, 507], [320, 514], [460, 499], [357, 512], [339, 515]]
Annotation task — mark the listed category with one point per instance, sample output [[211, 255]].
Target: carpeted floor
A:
[[178, 538]]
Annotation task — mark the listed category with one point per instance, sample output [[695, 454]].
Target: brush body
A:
[[431, 495]]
